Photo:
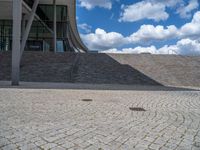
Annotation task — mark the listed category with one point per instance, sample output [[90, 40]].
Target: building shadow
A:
[[85, 86], [103, 69]]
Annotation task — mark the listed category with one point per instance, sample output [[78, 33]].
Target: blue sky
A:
[[136, 26]]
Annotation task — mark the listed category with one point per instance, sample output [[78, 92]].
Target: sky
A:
[[140, 26]]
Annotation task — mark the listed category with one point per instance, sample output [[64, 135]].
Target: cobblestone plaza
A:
[[34, 118]]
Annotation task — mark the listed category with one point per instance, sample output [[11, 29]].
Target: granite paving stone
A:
[[58, 119]]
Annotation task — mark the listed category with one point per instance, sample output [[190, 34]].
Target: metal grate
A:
[[137, 109], [87, 100]]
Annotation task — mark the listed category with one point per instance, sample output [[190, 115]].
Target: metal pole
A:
[[16, 37], [23, 23], [55, 26], [28, 26]]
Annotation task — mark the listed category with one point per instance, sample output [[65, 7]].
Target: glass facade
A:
[[5, 35], [40, 38]]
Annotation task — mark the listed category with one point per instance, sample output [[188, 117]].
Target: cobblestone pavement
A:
[[59, 119]]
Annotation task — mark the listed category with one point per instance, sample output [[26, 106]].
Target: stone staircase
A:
[[141, 69], [40, 67], [101, 68]]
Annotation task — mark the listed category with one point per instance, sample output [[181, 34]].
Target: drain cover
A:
[[197, 144], [136, 109], [87, 100]]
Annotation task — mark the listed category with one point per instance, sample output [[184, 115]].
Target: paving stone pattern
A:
[[58, 119]]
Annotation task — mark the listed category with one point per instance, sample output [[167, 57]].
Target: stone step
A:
[[40, 67], [143, 69], [138, 69]]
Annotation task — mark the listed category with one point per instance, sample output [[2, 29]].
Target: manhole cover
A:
[[197, 144], [137, 109], [87, 100]]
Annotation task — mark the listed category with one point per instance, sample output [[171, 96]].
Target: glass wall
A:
[[40, 38], [5, 35]]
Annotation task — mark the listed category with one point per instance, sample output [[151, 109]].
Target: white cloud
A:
[[150, 32], [90, 4], [182, 47], [168, 3], [185, 47], [137, 50], [188, 35], [85, 27], [143, 10], [102, 40], [185, 10], [156, 9], [191, 29]]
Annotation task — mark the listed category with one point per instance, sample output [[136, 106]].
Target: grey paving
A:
[[58, 119]]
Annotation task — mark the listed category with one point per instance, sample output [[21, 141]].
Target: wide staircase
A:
[[39, 67], [142, 69]]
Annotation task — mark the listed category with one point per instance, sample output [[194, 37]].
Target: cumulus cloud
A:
[[191, 29], [90, 4], [102, 40], [185, 47], [156, 9], [188, 36], [168, 3], [185, 10], [150, 32], [143, 10], [136, 50], [182, 47], [85, 27]]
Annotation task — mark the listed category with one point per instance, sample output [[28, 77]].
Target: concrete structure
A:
[[138, 69], [39, 25]]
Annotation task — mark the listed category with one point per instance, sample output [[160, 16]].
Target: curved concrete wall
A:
[[72, 17]]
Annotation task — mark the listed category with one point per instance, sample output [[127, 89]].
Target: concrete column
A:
[[55, 26], [16, 37]]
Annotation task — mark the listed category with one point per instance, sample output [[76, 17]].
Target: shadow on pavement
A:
[[80, 86]]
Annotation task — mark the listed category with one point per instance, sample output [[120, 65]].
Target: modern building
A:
[[38, 25]]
